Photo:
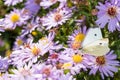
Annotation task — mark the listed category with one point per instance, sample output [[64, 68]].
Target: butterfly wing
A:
[[92, 35], [97, 48]]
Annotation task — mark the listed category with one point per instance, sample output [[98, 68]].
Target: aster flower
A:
[[75, 61], [56, 17], [32, 6], [106, 65], [109, 13], [48, 71], [28, 52], [15, 18], [77, 37], [12, 2], [3, 64], [25, 72]]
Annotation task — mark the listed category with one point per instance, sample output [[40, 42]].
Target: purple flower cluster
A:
[[47, 59]]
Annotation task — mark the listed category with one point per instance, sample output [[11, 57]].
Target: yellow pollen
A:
[[15, 17], [34, 33], [19, 42], [35, 50], [66, 65], [77, 58], [79, 37]]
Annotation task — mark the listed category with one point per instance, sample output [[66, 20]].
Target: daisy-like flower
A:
[[19, 42], [77, 37], [106, 65], [32, 6], [12, 2], [109, 13], [56, 17], [28, 52], [25, 72], [74, 61], [15, 18], [48, 71]]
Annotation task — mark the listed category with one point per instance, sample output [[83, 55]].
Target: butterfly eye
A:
[[95, 34], [100, 43]]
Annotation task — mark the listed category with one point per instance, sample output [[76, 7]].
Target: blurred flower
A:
[[25, 72], [15, 18], [12, 2], [32, 6], [77, 37], [109, 13], [106, 65], [48, 71], [74, 60], [48, 3], [5, 76], [56, 17], [3, 64]]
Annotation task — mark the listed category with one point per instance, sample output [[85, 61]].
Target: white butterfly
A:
[[94, 43]]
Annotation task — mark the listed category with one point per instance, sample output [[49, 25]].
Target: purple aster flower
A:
[[32, 6], [48, 71], [106, 65], [15, 18], [74, 60], [12, 2], [56, 17], [77, 37], [109, 13], [3, 64]]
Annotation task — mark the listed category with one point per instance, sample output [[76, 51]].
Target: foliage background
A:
[[85, 9]]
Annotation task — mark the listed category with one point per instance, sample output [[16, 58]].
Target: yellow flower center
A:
[[77, 58], [15, 17], [66, 65], [79, 37], [19, 42], [35, 50], [34, 33]]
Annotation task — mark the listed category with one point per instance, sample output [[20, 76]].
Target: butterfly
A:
[[94, 43]]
